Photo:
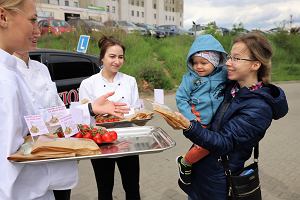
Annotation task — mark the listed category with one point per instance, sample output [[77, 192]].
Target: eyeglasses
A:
[[235, 59]]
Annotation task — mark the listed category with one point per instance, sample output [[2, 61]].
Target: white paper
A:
[[76, 113], [36, 125], [54, 113], [159, 96], [68, 126]]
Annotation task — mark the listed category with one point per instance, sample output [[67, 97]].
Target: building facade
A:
[[155, 12]]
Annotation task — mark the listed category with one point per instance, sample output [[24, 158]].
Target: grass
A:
[[160, 63]]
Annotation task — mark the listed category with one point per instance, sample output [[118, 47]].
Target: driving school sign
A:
[[83, 43]]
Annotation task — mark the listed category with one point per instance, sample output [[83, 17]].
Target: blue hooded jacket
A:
[[202, 92], [243, 125]]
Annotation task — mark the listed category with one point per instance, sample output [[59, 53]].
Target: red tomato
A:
[[106, 137], [97, 138], [78, 135], [113, 135], [85, 126], [88, 135], [60, 134]]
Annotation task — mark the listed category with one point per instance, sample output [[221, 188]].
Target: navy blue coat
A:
[[243, 125]]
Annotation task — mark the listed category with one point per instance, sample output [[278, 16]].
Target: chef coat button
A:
[[122, 97], [104, 85], [119, 84]]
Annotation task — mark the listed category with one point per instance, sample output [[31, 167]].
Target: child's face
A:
[[202, 66]]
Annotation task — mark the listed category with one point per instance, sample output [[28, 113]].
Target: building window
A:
[[173, 2], [137, 13], [132, 2], [107, 8], [142, 3], [66, 3], [76, 4], [154, 15], [173, 19], [154, 6], [142, 14], [132, 13], [137, 3], [166, 17], [113, 9], [173, 10]]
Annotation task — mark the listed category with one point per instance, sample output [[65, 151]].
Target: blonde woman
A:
[[27, 182]]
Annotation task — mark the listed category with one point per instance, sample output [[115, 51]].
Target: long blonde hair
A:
[[261, 50], [11, 4]]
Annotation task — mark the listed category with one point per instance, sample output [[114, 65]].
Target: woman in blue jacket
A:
[[254, 102]]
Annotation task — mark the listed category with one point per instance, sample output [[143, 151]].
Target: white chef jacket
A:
[[20, 181], [124, 86], [38, 78]]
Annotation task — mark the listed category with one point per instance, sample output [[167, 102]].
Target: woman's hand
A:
[[184, 120], [103, 106]]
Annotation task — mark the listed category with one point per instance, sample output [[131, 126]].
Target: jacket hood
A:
[[275, 97], [206, 43]]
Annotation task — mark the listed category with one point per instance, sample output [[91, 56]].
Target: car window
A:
[[68, 67]]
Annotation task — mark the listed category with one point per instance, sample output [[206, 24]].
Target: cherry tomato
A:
[[88, 135], [60, 134], [106, 137], [113, 135], [97, 138], [78, 135]]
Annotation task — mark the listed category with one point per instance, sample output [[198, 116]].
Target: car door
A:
[[67, 71]]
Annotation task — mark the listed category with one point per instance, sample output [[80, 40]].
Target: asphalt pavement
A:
[[279, 160]]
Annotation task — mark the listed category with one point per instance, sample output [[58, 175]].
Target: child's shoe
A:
[[185, 171]]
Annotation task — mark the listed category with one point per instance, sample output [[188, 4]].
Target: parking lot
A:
[[279, 161]]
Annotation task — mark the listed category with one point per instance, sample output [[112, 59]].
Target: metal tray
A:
[[124, 123], [131, 141]]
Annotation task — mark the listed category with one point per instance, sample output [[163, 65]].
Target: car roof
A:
[[55, 51], [59, 51]]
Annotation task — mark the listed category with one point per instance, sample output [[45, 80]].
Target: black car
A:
[[67, 70]]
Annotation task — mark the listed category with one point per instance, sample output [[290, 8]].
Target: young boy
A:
[[200, 93]]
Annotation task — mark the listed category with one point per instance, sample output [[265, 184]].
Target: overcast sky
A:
[[255, 14]]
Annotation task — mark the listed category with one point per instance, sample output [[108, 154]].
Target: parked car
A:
[[54, 26], [152, 30], [170, 29], [131, 27], [126, 26], [85, 25], [182, 31], [67, 70]]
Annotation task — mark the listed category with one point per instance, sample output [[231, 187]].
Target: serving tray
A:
[[131, 141]]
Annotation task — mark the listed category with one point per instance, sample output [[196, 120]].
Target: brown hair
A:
[[261, 50], [11, 4], [106, 42]]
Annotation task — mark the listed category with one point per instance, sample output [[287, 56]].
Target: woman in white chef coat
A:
[[44, 91], [19, 181], [112, 55]]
